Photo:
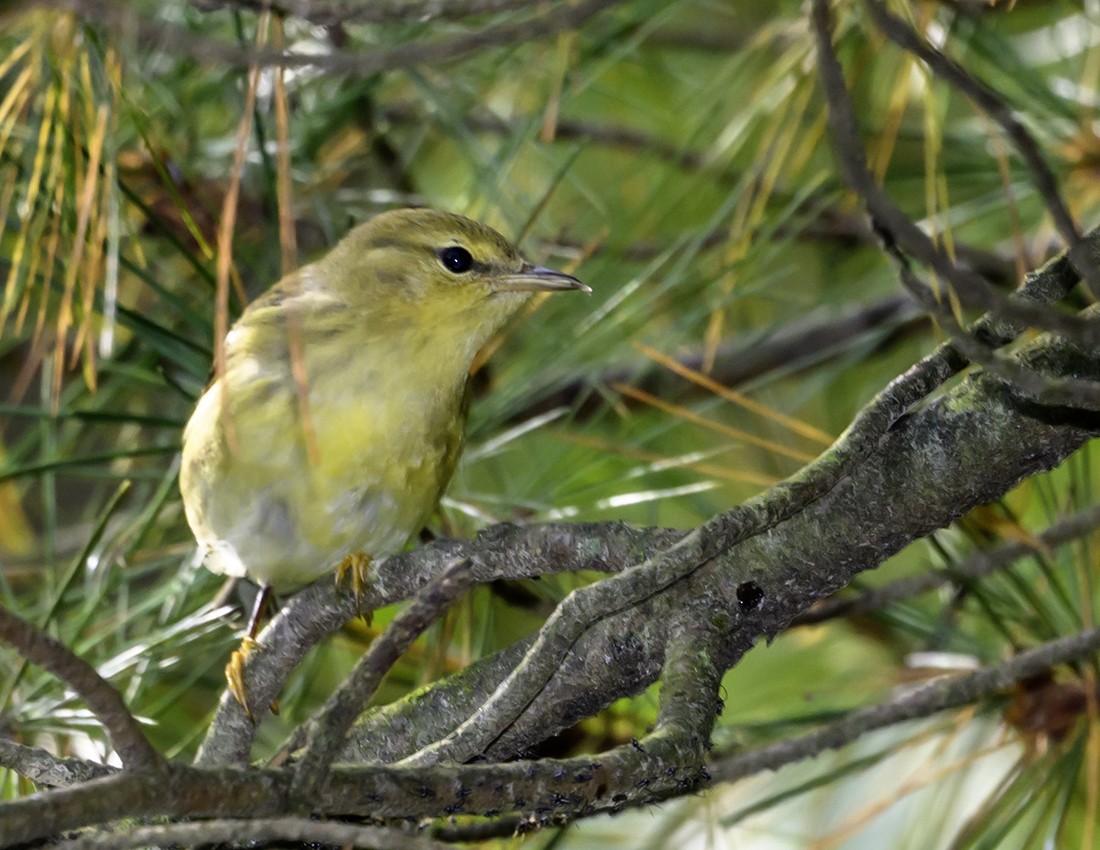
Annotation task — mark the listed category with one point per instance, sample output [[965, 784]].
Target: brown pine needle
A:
[[288, 242], [706, 382], [710, 424], [224, 266], [289, 251], [85, 211]]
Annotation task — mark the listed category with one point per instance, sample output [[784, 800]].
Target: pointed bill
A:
[[538, 279]]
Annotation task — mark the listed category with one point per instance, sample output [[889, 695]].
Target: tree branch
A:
[[105, 702], [979, 565], [566, 16], [506, 551], [337, 13], [306, 831], [328, 730], [502, 551], [928, 464], [997, 108], [971, 288], [47, 770], [944, 692]]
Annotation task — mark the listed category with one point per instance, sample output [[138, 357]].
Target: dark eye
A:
[[456, 259]]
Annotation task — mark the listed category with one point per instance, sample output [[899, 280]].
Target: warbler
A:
[[335, 426]]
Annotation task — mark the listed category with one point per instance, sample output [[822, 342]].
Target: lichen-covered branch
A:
[[47, 770], [982, 563], [328, 730], [502, 551], [961, 451]]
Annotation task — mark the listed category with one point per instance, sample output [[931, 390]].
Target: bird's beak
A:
[[538, 279]]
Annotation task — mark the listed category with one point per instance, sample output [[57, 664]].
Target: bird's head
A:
[[436, 269]]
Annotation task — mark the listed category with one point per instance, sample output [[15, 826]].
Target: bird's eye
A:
[[456, 259]]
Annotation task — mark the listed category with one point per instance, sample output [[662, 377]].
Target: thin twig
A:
[[329, 729], [942, 693], [1035, 385], [365, 64], [900, 233], [105, 702], [996, 107], [337, 13], [47, 770], [972, 288]]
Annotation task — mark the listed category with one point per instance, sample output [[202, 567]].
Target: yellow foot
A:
[[358, 565], [234, 674]]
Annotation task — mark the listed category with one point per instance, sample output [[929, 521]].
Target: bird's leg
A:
[[358, 565], [234, 670]]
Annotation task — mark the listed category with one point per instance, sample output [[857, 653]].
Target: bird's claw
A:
[[234, 674], [357, 565]]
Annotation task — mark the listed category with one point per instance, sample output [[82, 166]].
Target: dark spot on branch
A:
[[749, 596]]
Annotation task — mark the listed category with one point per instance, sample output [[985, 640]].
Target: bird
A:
[[331, 433]]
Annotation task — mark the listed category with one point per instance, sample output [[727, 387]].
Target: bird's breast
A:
[[356, 462]]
